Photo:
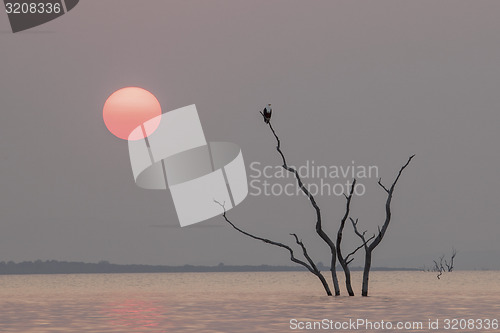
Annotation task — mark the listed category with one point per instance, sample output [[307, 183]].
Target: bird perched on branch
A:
[[267, 113]]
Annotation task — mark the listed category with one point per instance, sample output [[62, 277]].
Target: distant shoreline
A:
[[66, 267]]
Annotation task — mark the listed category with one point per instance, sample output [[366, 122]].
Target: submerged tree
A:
[[450, 265], [438, 267], [443, 265], [370, 246], [335, 248]]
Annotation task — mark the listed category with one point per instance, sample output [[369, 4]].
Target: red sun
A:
[[128, 108]]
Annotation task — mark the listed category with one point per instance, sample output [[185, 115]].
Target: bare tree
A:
[[369, 247], [449, 266], [319, 227], [335, 248], [440, 268], [311, 267]]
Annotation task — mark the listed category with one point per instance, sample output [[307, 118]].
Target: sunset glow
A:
[[128, 108]]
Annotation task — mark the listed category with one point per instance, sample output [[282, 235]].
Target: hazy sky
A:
[[366, 81]]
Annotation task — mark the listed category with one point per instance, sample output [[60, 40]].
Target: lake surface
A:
[[243, 302]]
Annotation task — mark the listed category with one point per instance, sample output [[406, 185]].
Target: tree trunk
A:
[[366, 272], [325, 284], [347, 274], [334, 276]]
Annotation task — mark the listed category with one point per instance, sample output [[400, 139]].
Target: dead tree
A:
[[369, 247], [335, 248], [311, 267], [319, 227], [344, 262], [438, 267], [449, 266]]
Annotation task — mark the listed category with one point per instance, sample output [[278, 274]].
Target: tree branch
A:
[[390, 192], [304, 251], [450, 266], [358, 248], [319, 228], [342, 222], [344, 262], [382, 185], [311, 268], [360, 235], [265, 240]]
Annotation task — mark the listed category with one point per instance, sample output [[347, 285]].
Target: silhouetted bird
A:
[[267, 113]]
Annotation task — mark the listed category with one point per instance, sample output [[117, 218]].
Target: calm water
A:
[[236, 302]]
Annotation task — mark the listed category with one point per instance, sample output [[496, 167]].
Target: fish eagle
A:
[[267, 113]]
